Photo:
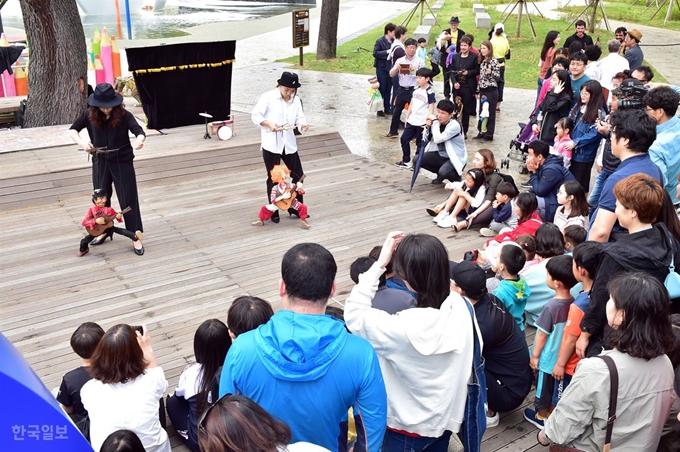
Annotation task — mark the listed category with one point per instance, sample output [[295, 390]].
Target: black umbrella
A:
[[419, 156]]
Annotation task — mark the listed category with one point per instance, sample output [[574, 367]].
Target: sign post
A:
[[300, 30]]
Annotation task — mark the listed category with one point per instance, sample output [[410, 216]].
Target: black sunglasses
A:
[[205, 413]]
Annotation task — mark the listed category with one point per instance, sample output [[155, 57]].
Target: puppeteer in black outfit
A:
[[108, 124]]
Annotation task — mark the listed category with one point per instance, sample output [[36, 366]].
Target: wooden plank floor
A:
[[201, 251]]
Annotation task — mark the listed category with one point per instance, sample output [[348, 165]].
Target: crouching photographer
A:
[[627, 96], [464, 69]]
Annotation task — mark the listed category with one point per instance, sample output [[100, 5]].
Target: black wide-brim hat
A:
[[289, 80], [104, 96]]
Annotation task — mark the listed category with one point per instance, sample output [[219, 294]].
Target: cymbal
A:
[[205, 115]]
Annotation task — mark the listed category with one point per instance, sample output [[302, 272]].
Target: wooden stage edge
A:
[[198, 198]]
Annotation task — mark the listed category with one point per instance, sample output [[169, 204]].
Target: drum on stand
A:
[[224, 133], [223, 129]]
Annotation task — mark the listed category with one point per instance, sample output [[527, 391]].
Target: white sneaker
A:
[[440, 216], [447, 222], [493, 421], [487, 232]]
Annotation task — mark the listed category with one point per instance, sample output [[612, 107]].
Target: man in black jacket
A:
[[382, 66], [580, 36]]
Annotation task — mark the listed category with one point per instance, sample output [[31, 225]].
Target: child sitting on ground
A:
[[504, 218], [283, 196], [528, 244], [586, 258], [564, 126], [573, 206], [385, 299], [420, 110], [468, 195], [526, 209], [573, 236], [194, 395], [513, 291], [83, 342], [549, 331]]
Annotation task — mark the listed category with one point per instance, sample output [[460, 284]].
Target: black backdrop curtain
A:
[[175, 97]]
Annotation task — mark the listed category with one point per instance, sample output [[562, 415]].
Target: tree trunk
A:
[[327, 45], [57, 81]]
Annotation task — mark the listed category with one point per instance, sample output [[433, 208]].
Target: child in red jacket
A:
[[96, 217], [526, 209]]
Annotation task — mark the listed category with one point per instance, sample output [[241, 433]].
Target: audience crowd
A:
[[428, 347]]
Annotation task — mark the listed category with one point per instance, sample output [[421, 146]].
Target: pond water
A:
[[175, 18]]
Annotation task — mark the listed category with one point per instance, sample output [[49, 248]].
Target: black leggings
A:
[[109, 232]]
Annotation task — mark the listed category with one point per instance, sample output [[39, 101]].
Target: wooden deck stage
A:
[[198, 198]]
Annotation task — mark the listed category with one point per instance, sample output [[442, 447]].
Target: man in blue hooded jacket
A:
[[547, 175], [303, 367]]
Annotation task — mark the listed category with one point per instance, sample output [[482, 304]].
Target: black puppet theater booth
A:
[[177, 82]]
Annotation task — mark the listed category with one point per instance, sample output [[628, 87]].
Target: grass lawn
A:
[[356, 56], [634, 14]]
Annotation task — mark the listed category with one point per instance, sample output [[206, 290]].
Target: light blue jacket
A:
[[307, 371], [665, 153]]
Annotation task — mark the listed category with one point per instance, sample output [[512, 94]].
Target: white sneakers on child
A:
[[440, 216], [487, 232], [447, 222], [492, 421]]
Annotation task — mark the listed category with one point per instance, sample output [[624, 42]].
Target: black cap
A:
[[99, 193], [470, 277]]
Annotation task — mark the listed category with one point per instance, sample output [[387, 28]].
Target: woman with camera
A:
[[127, 384], [464, 70]]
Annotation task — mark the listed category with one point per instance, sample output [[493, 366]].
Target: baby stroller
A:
[[519, 147]]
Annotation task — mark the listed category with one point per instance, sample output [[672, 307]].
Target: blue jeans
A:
[[410, 132], [397, 442], [595, 193]]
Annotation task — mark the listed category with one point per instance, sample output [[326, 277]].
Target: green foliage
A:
[[626, 11]]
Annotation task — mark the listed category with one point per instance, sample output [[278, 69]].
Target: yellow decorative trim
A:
[[182, 67]]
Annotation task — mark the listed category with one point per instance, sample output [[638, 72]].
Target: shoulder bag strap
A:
[[613, 394], [477, 349]]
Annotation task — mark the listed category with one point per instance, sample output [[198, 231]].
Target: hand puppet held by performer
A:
[[99, 221], [283, 196]]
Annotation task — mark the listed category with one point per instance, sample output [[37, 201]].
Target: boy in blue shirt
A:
[[586, 259], [502, 213], [550, 328], [513, 290]]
